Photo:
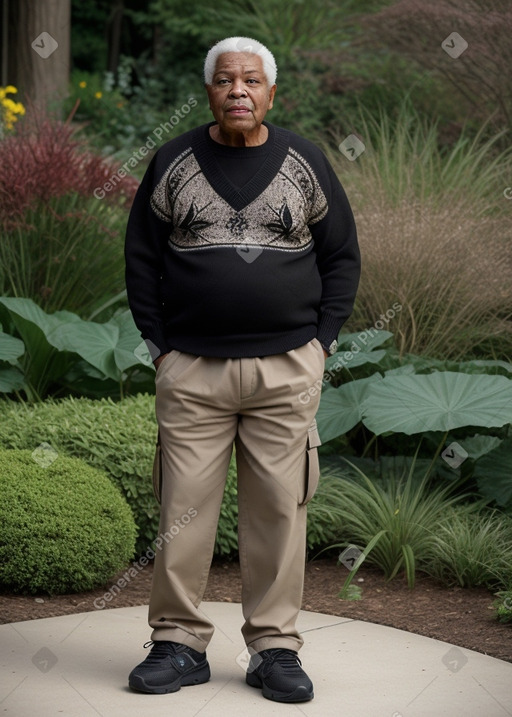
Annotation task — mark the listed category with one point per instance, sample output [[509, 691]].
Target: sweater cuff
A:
[[328, 329]]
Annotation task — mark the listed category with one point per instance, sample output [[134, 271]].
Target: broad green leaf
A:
[[438, 401], [364, 340], [486, 365], [30, 311], [10, 380], [11, 348], [407, 368], [95, 343], [340, 408], [64, 316], [493, 473], [109, 347], [477, 446], [424, 364], [84, 379], [349, 359], [42, 363], [130, 348]]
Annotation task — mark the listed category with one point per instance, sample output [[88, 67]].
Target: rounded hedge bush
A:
[[115, 437], [119, 439], [64, 527]]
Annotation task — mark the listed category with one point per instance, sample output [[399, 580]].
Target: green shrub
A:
[[326, 513], [398, 517], [227, 532], [471, 549], [63, 526], [503, 606], [119, 439]]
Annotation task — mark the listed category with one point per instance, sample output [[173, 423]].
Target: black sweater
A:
[[216, 269]]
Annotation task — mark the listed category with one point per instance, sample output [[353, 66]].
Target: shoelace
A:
[[159, 649], [286, 658]]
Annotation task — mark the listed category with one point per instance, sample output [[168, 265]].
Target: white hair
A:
[[240, 44]]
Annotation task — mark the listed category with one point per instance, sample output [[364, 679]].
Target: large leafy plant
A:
[[61, 353], [373, 400]]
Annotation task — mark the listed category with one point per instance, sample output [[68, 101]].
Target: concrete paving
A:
[[77, 666]]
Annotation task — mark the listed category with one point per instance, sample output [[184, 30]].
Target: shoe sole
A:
[[301, 694], [197, 677]]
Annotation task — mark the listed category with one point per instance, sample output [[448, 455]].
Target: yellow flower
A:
[[8, 108], [82, 84], [98, 95]]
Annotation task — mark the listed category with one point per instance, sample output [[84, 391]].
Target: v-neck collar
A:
[[276, 146]]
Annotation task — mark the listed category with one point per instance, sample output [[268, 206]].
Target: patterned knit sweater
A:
[[216, 269]]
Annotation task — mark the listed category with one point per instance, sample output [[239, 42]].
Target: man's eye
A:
[[222, 82]]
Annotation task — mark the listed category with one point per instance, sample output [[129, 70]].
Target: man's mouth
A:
[[238, 110]]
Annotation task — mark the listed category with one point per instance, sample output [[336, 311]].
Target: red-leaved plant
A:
[[60, 245], [43, 159]]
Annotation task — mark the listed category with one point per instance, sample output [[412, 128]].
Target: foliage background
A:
[[431, 194]]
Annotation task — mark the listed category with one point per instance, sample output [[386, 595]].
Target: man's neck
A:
[[239, 139]]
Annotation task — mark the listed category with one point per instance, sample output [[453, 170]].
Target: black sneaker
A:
[[279, 674], [169, 666]]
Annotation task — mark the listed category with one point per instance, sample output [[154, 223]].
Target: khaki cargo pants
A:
[[262, 406]]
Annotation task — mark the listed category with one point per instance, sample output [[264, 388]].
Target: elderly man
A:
[[242, 265]]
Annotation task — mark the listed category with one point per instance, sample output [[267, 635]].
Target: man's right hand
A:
[[159, 360]]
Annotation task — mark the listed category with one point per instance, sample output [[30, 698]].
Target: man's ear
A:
[[207, 88], [271, 94]]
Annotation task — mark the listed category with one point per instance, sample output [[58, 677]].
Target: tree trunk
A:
[[39, 55], [114, 36]]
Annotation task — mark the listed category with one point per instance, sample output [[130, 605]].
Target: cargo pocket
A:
[[312, 473], [157, 470]]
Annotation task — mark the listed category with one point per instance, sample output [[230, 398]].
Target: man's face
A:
[[239, 94]]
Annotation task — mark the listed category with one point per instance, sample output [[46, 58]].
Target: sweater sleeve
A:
[[146, 235], [338, 257]]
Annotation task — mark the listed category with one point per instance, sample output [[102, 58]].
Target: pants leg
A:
[[197, 428], [274, 462], [202, 404]]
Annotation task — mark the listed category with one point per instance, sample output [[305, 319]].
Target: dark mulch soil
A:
[[460, 616]]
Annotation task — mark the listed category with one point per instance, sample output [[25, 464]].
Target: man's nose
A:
[[237, 89]]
